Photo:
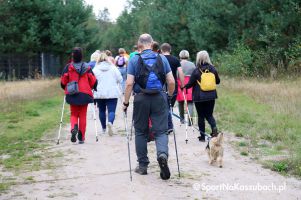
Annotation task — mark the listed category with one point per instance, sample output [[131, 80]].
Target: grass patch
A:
[[32, 113], [280, 166], [29, 178], [242, 144], [26, 116], [5, 185], [19, 140], [244, 109], [244, 153]]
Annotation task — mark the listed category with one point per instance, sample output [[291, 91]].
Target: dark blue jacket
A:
[[197, 94]]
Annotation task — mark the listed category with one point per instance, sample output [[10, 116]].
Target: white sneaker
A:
[[110, 131], [103, 131]]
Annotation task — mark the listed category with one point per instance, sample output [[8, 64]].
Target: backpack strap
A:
[[159, 70], [140, 77]]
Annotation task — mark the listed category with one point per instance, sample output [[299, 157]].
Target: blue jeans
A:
[[122, 70], [103, 105]]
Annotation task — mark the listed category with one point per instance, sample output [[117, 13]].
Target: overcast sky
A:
[[115, 6]]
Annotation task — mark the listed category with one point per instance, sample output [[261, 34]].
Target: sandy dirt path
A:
[[100, 171]]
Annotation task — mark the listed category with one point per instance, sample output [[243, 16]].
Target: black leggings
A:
[[205, 111]]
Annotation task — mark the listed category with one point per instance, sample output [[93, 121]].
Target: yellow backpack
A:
[[207, 82]]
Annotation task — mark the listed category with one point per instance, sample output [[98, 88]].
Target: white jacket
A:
[[108, 77]]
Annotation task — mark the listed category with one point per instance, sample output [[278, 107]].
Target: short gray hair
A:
[[145, 39], [202, 57], [184, 54], [121, 50]]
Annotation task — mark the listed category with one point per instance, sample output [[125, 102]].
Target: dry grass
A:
[[12, 93], [28, 111], [267, 114], [282, 96]]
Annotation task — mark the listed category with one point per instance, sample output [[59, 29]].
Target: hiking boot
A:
[[214, 132], [141, 170], [74, 133], [110, 131], [80, 136], [202, 138], [164, 173]]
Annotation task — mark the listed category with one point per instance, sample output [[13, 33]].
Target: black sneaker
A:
[[74, 133], [170, 130], [80, 136], [164, 173], [202, 138], [141, 170]]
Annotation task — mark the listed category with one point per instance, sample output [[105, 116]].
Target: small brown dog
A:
[[215, 149]]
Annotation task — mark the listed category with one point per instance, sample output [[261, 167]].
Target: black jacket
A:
[[197, 94]]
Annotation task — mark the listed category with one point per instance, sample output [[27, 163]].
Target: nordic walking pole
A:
[[174, 137], [132, 130], [186, 123], [95, 123], [178, 117], [186, 126], [189, 116], [127, 138], [61, 122]]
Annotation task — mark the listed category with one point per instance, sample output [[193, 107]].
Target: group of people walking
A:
[[155, 78]]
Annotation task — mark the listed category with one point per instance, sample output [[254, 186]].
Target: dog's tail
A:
[[220, 138]]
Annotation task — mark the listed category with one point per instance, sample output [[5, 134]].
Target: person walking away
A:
[[121, 62], [156, 47], [78, 81], [110, 57], [147, 73], [187, 68], [135, 51], [93, 59], [176, 69], [108, 91], [204, 99]]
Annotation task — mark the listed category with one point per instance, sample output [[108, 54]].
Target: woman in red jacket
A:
[[78, 81]]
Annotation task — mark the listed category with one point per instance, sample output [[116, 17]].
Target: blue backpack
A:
[[150, 75]]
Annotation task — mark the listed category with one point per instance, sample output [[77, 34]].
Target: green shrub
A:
[[237, 63], [280, 166]]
